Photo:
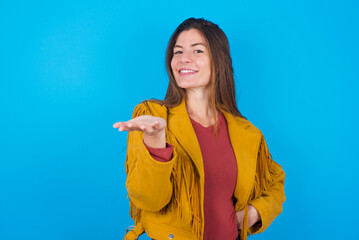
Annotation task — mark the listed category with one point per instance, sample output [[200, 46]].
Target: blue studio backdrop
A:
[[70, 69]]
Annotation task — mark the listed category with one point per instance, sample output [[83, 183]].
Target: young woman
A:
[[196, 168]]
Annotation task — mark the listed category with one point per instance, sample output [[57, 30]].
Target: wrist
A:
[[157, 140]]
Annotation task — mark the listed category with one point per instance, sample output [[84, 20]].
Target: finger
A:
[[139, 126], [123, 128], [132, 126], [116, 125]]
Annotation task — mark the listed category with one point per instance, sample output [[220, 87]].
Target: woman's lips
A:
[[186, 72]]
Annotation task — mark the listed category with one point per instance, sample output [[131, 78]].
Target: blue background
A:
[[70, 69]]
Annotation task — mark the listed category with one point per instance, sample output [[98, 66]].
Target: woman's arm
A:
[[268, 195], [148, 181], [269, 204]]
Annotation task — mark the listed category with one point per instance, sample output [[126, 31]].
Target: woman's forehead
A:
[[190, 38]]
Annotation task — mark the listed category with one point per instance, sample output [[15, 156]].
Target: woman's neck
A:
[[198, 108]]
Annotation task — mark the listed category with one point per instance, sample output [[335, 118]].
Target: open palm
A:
[[148, 124]]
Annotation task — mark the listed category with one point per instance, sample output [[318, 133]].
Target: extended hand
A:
[[145, 123], [153, 129], [253, 217]]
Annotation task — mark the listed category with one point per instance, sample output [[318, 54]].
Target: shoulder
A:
[[148, 107], [242, 125], [249, 126]]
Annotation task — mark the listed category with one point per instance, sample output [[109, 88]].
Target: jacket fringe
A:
[[262, 180], [263, 176], [184, 177]]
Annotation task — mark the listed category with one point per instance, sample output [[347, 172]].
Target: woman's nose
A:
[[185, 57]]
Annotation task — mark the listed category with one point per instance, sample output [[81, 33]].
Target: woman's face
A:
[[191, 64]]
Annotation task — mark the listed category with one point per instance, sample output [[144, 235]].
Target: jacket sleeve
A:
[[148, 181], [268, 189]]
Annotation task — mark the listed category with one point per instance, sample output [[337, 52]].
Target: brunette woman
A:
[[196, 168]]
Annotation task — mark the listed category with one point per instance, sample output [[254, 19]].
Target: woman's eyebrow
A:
[[192, 45]]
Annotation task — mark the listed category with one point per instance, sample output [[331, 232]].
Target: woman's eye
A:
[[177, 52], [198, 51]]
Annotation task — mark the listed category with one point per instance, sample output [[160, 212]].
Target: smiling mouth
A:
[[184, 72], [187, 71]]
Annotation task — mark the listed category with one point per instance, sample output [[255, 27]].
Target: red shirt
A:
[[220, 170]]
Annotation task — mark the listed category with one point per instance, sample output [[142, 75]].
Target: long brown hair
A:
[[222, 88]]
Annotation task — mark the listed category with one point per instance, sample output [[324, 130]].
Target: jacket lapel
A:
[[244, 141], [182, 129]]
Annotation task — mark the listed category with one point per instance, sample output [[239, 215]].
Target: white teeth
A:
[[187, 71]]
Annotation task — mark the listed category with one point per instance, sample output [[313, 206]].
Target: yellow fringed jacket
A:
[[166, 198]]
